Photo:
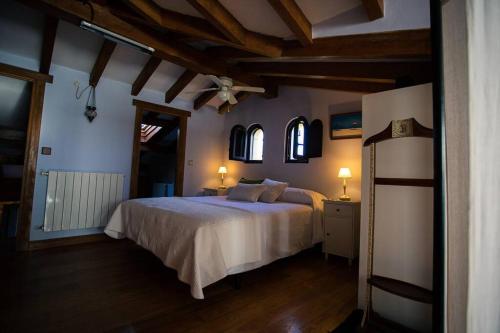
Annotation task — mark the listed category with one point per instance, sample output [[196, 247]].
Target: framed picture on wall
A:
[[345, 125]]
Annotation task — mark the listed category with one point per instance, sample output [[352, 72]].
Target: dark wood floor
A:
[[119, 287]]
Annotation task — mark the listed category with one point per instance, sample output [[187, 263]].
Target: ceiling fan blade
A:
[[232, 100], [199, 90], [215, 80], [250, 89]]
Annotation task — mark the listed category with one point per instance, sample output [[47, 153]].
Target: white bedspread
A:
[[208, 238]]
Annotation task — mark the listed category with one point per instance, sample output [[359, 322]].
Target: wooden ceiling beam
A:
[[179, 85], [340, 85], [361, 71], [374, 9], [49, 38], [295, 19], [167, 49], [102, 60], [204, 98], [189, 25], [402, 44], [256, 43], [392, 44], [145, 74], [221, 19]]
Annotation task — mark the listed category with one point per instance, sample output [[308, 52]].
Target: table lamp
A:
[[222, 171], [345, 173]]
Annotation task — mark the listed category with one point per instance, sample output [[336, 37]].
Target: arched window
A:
[[237, 142], [255, 144], [296, 141]]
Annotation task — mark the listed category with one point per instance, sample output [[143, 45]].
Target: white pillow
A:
[[296, 195], [273, 191], [246, 192]]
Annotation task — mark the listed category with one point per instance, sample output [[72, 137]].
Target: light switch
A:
[[190, 162]]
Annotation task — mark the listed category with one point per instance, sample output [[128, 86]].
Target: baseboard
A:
[[67, 241]]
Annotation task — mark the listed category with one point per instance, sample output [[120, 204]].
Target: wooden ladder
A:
[[372, 322]]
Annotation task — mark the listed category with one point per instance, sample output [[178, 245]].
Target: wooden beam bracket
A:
[[145, 74], [179, 85], [105, 53], [49, 38]]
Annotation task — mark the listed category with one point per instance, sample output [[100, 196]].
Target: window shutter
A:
[[315, 142], [237, 142]]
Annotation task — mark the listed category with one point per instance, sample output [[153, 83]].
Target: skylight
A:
[[148, 131]]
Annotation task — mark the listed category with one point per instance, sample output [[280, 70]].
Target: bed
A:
[[207, 238]]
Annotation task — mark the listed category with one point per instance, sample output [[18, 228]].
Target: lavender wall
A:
[[105, 145], [319, 174]]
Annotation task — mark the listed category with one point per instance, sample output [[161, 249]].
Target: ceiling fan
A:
[[226, 90]]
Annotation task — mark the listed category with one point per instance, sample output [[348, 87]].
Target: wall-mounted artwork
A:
[[345, 126]]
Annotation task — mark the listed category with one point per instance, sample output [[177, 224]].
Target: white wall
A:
[[105, 145], [319, 174], [483, 50], [403, 215]]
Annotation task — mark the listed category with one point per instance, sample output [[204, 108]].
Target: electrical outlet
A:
[[46, 151]]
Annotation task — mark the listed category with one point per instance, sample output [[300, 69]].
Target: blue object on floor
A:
[[163, 190]]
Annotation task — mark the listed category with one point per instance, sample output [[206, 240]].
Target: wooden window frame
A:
[[38, 81], [289, 153], [183, 115], [250, 131]]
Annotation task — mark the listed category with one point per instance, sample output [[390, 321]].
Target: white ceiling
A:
[[259, 16], [21, 31]]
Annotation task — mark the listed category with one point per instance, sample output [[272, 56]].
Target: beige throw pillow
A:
[[246, 192], [273, 191]]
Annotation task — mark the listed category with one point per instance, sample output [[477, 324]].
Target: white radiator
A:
[[79, 200]]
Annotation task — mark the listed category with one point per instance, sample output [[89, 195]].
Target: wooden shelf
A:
[[403, 289], [405, 182]]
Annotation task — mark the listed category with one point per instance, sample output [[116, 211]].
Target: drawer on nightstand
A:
[[338, 210]]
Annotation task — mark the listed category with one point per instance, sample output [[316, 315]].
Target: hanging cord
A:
[[78, 93], [91, 97]]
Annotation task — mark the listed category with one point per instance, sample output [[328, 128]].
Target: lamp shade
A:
[[222, 169], [345, 173]]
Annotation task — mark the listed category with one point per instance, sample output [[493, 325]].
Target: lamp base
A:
[[222, 187], [345, 197]]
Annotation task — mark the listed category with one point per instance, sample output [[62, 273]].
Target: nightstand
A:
[[214, 191], [341, 219]]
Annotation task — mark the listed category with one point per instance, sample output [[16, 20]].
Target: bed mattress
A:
[[207, 238]]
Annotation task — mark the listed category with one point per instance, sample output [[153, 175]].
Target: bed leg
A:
[[237, 282]]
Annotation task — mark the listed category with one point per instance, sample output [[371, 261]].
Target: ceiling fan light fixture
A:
[[223, 95]]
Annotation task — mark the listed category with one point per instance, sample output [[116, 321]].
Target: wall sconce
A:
[[90, 108]]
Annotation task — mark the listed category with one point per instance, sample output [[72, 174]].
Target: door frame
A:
[[183, 115], [38, 81]]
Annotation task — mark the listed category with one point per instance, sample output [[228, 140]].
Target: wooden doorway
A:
[[37, 81], [141, 109]]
